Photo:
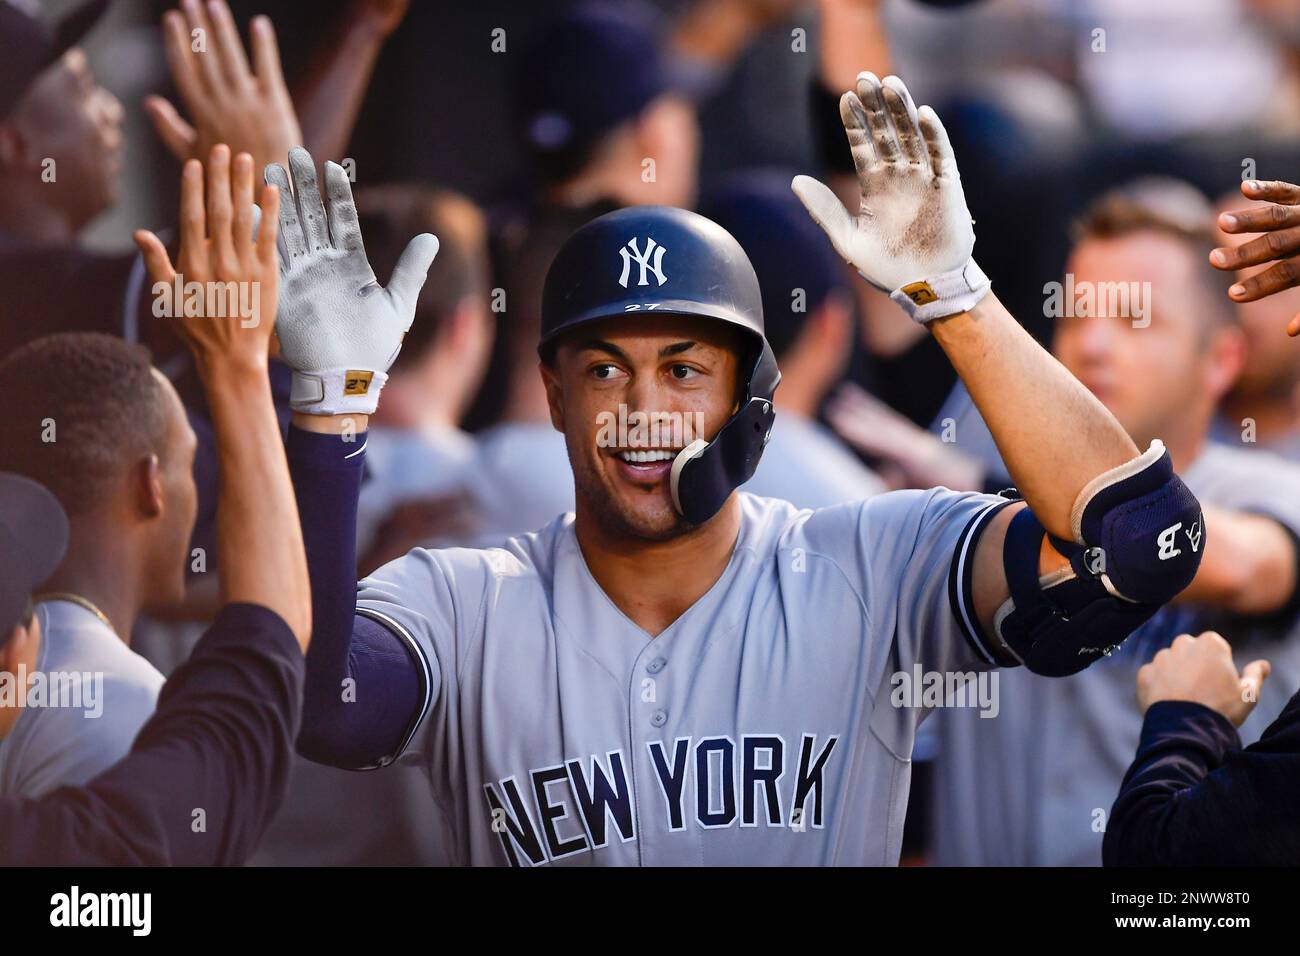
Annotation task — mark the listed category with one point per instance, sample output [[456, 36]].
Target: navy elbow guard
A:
[[1138, 540]]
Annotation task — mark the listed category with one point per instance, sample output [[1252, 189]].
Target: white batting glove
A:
[[912, 236], [339, 330]]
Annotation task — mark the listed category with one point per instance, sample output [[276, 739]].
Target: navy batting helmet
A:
[[658, 260]]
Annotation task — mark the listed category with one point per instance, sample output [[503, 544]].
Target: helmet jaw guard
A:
[[704, 474]]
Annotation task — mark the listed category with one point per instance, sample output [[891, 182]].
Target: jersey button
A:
[[659, 718], [656, 665]]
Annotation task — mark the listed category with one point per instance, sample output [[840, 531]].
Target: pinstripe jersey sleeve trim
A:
[[425, 672], [961, 578]]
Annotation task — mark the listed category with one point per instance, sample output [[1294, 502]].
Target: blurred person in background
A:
[[1262, 410], [61, 147], [607, 97], [33, 539], [60, 159], [417, 455], [1193, 795], [1008, 791], [602, 117], [522, 473], [92, 421], [809, 323], [207, 771]]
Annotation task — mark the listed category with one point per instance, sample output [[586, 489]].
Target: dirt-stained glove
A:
[[912, 235], [339, 329]]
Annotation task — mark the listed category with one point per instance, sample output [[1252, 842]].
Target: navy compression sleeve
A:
[[364, 691], [1192, 797]]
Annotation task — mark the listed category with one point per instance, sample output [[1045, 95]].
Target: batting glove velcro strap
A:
[[945, 294], [336, 391]]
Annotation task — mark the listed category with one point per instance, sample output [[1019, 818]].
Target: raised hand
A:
[[1279, 246], [911, 235], [222, 291], [1200, 670], [227, 101], [339, 330]]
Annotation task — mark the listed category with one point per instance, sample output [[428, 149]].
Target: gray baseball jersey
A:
[[1033, 786], [1233, 432], [96, 695], [522, 479], [759, 728], [404, 465]]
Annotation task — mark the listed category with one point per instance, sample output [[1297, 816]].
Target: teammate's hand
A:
[[227, 102], [1200, 669], [1280, 244], [339, 330], [231, 257], [912, 234], [911, 457]]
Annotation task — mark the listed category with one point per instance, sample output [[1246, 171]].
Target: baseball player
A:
[[678, 673], [1193, 795], [119, 466], [221, 739], [1033, 787]]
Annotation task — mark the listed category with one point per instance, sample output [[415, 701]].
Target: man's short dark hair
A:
[[390, 216], [78, 407], [1173, 208]]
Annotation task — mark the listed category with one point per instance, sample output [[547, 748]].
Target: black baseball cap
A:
[[589, 68], [29, 44], [787, 249], [33, 538]]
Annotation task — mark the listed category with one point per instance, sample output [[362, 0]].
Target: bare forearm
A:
[[716, 31], [1054, 436], [330, 96], [852, 39], [258, 535], [1248, 566]]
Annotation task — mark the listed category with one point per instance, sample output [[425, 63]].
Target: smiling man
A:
[[680, 673]]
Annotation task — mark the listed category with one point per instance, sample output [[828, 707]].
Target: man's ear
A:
[[13, 146], [1227, 357], [147, 487], [14, 648], [554, 395]]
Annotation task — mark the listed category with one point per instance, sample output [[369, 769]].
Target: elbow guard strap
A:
[[1139, 538]]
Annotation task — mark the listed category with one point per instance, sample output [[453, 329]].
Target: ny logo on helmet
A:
[[642, 259]]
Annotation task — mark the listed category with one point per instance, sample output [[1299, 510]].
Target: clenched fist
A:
[[1200, 670]]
